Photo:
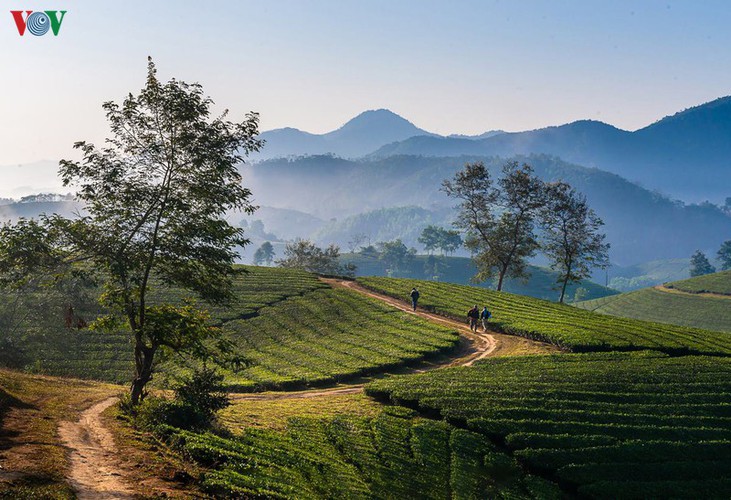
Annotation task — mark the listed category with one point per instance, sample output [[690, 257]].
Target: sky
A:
[[449, 67]]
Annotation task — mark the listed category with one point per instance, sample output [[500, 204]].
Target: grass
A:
[[650, 304], [565, 326], [276, 413], [612, 425]]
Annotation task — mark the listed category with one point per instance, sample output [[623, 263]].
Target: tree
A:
[[724, 255], [433, 237], [156, 196], [430, 237], [450, 241], [699, 264], [303, 254], [571, 235], [396, 255], [264, 254], [501, 243]]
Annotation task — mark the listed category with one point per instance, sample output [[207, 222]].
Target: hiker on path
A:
[[473, 315], [414, 297], [485, 316]]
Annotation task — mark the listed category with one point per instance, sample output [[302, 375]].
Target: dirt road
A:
[[93, 471]]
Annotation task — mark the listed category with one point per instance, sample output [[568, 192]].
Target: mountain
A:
[[686, 155], [363, 134], [641, 225]]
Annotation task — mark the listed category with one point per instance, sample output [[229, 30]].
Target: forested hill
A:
[[687, 154], [641, 225]]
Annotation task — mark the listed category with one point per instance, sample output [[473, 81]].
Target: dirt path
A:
[[93, 471], [473, 347], [663, 288]]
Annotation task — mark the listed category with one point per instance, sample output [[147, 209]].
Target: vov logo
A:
[[38, 22]]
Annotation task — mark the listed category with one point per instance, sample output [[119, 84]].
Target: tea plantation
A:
[[719, 283], [605, 425], [691, 307], [568, 327], [286, 328], [393, 455]]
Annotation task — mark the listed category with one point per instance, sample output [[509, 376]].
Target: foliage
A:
[[198, 397], [571, 238], [395, 255], [565, 326], [433, 238], [303, 254], [607, 423], [264, 254], [724, 255], [699, 264], [504, 240]]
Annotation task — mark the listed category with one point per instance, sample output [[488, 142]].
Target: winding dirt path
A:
[[93, 471]]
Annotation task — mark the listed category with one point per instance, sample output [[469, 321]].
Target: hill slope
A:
[[680, 303]]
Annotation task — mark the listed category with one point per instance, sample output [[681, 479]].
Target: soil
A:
[[93, 470]]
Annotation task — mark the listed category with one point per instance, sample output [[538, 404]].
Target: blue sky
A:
[[450, 67]]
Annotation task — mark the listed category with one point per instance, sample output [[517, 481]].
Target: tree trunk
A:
[[143, 372], [501, 278], [565, 282], [563, 288]]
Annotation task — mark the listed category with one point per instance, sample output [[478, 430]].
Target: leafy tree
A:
[[303, 254], [699, 264], [396, 255], [264, 254], [501, 243], [450, 241], [156, 196], [724, 255], [431, 238], [572, 240]]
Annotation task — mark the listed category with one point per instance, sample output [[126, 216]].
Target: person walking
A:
[[473, 315], [485, 316], [414, 297]]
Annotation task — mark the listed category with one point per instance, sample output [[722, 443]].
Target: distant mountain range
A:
[[362, 135], [687, 155]]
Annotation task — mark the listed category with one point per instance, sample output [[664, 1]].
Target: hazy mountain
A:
[[687, 155], [361, 135], [640, 224]]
